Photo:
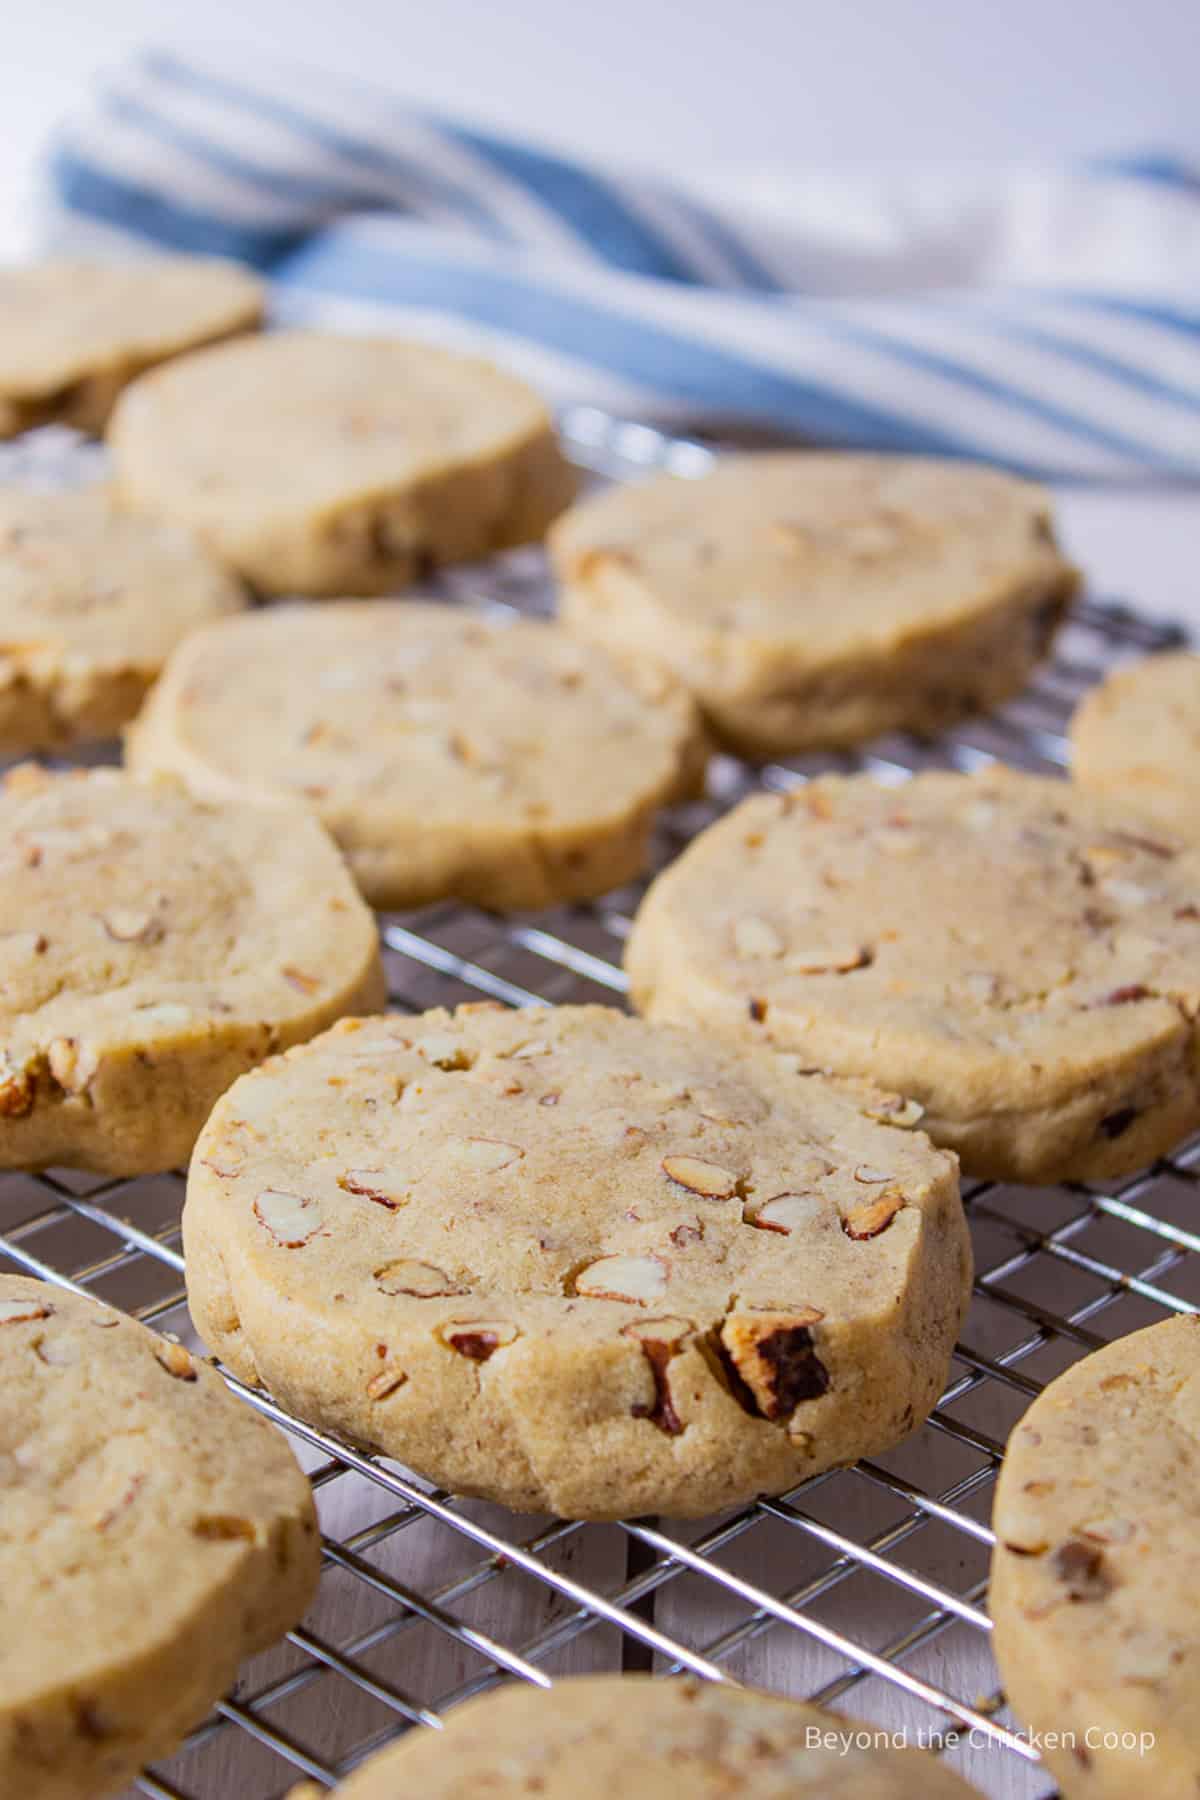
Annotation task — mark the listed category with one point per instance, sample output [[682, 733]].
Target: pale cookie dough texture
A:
[[1096, 1570], [811, 600], [152, 949], [502, 763], [1021, 958], [1137, 737], [74, 334], [322, 465], [91, 602], [154, 1532], [641, 1738], [574, 1263]]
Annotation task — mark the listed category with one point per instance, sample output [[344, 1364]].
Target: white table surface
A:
[[746, 93]]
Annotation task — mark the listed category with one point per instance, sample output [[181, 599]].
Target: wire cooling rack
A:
[[863, 1588]]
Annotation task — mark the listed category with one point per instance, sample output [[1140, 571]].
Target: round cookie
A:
[[1018, 956], [641, 1738], [152, 949], [153, 1532], [1137, 738], [815, 600], [74, 334], [91, 602], [574, 1263], [319, 464], [1097, 1568], [500, 762]]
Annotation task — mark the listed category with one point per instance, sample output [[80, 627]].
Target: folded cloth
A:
[[1045, 320]]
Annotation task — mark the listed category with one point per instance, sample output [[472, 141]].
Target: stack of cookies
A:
[[564, 1259]]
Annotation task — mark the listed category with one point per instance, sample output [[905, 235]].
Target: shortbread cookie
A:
[[817, 600], [642, 1738], [152, 949], [1137, 737], [1021, 958], [153, 1532], [74, 334], [91, 602], [500, 762], [318, 464], [1096, 1570], [575, 1263]]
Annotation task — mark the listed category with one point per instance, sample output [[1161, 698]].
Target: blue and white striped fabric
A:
[[1049, 322]]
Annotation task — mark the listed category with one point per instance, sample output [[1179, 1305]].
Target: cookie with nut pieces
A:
[[816, 600], [450, 753], [319, 464], [74, 334], [1020, 957], [641, 1738], [153, 1532], [572, 1262], [1136, 737], [92, 600], [1096, 1569], [152, 949]]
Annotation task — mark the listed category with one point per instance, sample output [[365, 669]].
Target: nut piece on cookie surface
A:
[[1097, 1567], [641, 1737], [775, 1359], [162, 931], [644, 1298], [1026, 980], [156, 1533], [813, 600], [399, 457]]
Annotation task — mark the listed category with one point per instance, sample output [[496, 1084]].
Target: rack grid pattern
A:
[[863, 1588]]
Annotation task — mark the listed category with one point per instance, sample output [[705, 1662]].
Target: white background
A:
[[737, 87], [690, 82]]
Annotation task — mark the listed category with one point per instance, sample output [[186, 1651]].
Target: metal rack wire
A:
[[863, 1588]]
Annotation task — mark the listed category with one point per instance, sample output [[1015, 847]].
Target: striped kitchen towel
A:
[[1047, 321]]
